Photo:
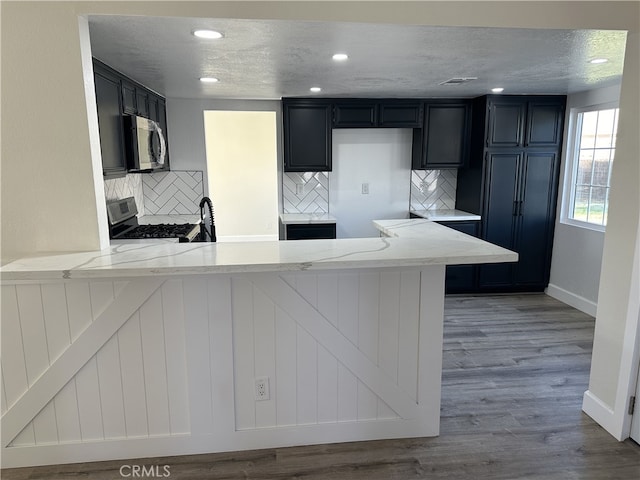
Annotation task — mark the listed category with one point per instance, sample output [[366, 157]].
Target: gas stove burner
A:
[[164, 230]]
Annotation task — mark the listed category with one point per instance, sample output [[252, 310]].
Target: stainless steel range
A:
[[123, 225]]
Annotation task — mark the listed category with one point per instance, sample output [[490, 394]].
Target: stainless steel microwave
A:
[[145, 144]]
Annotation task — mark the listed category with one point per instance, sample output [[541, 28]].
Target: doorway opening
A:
[[241, 150]]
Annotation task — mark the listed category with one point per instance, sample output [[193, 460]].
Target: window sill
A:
[[585, 225]]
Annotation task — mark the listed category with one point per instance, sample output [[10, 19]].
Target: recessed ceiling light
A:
[[596, 61], [497, 90], [210, 34], [315, 89], [340, 57], [209, 80]]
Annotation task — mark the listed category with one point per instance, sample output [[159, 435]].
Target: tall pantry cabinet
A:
[[512, 182]]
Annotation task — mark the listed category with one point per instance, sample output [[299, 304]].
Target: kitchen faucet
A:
[[203, 228]]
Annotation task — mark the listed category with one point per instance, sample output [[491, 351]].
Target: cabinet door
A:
[[307, 137], [128, 98], [311, 231], [461, 278], [109, 106], [154, 111], [500, 211], [446, 135], [400, 115], [536, 207], [544, 123], [505, 122], [142, 99], [354, 115]]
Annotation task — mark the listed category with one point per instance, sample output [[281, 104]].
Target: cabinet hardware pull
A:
[[520, 208], [515, 208]]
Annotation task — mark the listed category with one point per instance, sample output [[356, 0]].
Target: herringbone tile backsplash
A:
[[172, 193], [127, 186], [431, 189], [314, 197]]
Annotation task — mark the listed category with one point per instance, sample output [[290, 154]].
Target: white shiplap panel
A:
[[368, 326], [174, 340], [243, 341], [67, 419], [307, 286], [3, 394], [154, 361], [408, 332], [388, 342], [367, 403], [79, 307], [101, 296], [54, 306], [286, 368], [307, 378], [347, 395], [327, 386], [111, 395], [198, 345], [265, 355], [348, 306], [221, 342], [14, 368], [328, 296], [45, 427], [89, 408], [26, 437], [33, 333], [36, 354], [134, 395], [368, 322]]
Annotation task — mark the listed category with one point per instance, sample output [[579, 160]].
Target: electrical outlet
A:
[[365, 189], [262, 388], [424, 186], [299, 189]]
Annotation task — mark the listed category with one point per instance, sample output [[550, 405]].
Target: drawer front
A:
[[311, 231]]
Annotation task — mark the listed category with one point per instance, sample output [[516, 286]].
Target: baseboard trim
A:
[[576, 301], [601, 413]]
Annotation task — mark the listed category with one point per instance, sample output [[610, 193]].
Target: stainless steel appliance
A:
[[123, 225], [146, 147]]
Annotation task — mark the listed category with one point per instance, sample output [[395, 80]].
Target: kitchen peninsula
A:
[[152, 350]]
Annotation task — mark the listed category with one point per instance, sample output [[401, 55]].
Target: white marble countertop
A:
[[291, 218], [446, 215], [414, 243]]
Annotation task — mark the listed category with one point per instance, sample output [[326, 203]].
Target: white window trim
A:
[[570, 172]]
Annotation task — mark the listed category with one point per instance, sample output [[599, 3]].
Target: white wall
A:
[[185, 124], [577, 252], [62, 164], [379, 158]]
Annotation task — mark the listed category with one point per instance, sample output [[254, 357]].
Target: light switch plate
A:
[[365, 189]]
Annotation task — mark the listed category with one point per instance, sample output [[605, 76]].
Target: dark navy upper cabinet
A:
[[511, 181], [544, 123], [117, 96], [307, 135], [384, 113], [355, 115], [109, 106], [505, 122], [400, 114], [443, 142]]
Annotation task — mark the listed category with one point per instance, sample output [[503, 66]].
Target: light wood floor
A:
[[515, 369]]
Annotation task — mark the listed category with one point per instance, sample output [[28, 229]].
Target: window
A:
[[590, 162]]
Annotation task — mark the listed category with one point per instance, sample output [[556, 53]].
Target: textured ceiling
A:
[[274, 59]]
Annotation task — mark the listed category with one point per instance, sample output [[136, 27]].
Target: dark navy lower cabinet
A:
[[310, 231], [461, 278]]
